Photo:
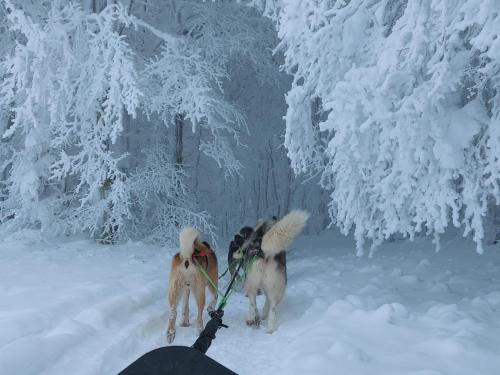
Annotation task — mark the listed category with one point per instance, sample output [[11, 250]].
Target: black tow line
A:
[[215, 323]]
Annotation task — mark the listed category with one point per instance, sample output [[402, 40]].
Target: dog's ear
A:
[[246, 232], [238, 240], [233, 246]]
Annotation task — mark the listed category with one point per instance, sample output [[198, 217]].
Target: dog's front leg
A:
[[200, 301], [253, 315], [185, 308]]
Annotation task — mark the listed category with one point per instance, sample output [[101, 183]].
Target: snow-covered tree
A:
[[182, 83], [185, 82], [162, 203], [408, 139], [75, 78], [67, 84]]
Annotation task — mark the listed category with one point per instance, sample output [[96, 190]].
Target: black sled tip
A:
[[176, 360]]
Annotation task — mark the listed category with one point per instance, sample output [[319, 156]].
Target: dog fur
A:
[[268, 274], [185, 278]]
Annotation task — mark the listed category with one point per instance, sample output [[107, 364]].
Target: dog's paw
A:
[[254, 323], [185, 324], [271, 328], [170, 336]]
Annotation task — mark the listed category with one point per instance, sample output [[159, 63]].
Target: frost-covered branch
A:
[[68, 83], [411, 110], [162, 201]]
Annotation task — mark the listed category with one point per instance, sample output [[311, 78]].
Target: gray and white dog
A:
[[265, 264]]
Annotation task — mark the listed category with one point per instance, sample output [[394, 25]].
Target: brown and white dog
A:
[[186, 277], [267, 273]]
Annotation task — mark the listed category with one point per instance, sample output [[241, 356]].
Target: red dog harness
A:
[[201, 253]]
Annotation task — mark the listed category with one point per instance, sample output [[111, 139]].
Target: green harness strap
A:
[[250, 264], [241, 279]]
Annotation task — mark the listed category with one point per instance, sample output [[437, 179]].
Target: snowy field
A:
[[77, 308]]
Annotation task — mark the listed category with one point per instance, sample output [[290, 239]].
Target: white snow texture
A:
[[73, 307]]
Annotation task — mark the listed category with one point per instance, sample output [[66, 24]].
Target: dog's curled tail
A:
[[186, 238], [284, 232]]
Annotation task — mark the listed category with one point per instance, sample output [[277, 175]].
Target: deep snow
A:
[[73, 307]]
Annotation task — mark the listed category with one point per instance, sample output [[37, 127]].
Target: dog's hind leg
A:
[[199, 292], [214, 276], [265, 310], [213, 301], [274, 297], [173, 297], [253, 319], [252, 284], [185, 307], [272, 324]]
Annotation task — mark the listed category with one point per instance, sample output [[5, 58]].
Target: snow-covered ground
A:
[[78, 308]]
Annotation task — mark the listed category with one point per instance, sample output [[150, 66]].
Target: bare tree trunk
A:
[[266, 187], [94, 6], [288, 195], [179, 124], [7, 168], [258, 197], [197, 164], [275, 187], [129, 12]]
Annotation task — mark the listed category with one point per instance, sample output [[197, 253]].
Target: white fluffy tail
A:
[[186, 238], [284, 232]]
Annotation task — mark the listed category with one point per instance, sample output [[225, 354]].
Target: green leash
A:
[[240, 279], [202, 270], [216, 316], [233, 263], [243, 247], [224, 299]]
